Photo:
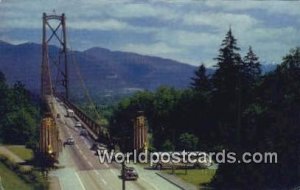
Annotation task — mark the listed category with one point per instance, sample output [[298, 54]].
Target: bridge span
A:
[[79, 166]]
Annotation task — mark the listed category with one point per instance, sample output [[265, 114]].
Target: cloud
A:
[[140, 10], [106, 25], [278, 7], [187, 38], [221, 20], [189, 31]]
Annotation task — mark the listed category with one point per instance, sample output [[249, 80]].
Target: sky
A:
[[183, 30]]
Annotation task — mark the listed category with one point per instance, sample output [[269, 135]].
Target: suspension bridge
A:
[[80, 169]]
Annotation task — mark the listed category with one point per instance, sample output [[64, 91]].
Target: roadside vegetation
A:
[[236, 108], [19, 133], [21, 151], [22, 174], [20, 115], [197, 177], [11, 181]]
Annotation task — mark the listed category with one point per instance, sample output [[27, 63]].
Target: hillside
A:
[[103, 71]]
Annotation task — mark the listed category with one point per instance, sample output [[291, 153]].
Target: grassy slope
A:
[[21, 151], [196, 177], [11, 181]]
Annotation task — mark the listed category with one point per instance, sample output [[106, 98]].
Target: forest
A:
[[236, 108], [19, 115]]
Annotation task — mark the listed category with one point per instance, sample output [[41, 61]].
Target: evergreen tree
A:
[[226, 94], [273, 126], [200, 81], [228, 63], [251, 68]]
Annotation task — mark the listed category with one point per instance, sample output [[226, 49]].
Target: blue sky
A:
[[187, 31]]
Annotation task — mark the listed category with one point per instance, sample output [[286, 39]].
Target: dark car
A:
[[70, 141], [83, 132], [98, 147], [130, 173]]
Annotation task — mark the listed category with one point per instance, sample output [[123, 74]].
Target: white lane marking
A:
[[80, 181], [87, 144], [85, 157], [90, 164], [103, 181], [77, 146], [105, 164], [149, 183], [114, 172]]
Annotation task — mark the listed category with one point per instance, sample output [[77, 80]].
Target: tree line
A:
[[19, 115], [236, 108]]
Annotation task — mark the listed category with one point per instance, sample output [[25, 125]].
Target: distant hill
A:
[[268, 67], [103, 71]]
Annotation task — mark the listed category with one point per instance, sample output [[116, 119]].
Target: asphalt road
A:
[[81, 169]]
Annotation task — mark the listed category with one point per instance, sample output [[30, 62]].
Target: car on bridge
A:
[[99, 148], [70, 141], [70, 113], [83, 132], [78, 124]]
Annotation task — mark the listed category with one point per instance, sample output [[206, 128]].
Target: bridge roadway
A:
[[81, 169]]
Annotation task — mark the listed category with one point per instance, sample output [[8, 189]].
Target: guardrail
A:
[[101, 133]]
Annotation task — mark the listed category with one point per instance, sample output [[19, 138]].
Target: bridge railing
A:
[[100, 133]]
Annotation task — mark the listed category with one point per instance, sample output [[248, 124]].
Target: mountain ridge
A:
[[102, 69]]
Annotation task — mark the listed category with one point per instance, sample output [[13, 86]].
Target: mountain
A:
[[268, 67], [102, 70]]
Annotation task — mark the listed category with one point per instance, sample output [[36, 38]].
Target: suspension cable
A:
[[82, 83]]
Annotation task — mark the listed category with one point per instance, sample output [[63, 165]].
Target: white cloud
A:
[[220, 20], [172, 29], [106, 25], [187, 38], [140, 10], [272, 7]]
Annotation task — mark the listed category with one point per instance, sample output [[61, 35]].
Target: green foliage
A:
[[11, 180], [235, 109], [19, 116], [201, 82], [188, 142], [31, 177], [269, 123], [198, 177], [167, 146]]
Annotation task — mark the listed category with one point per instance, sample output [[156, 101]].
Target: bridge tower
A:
[[140, 133], [52, 25]]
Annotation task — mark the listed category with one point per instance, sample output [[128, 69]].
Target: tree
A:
[[4, 92], [19, 117], [167, 146], [251, 67], [226, 92], [200, 81], [188, 142], [228, 62], [272, 125], [19, 127]]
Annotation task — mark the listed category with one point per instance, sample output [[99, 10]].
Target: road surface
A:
[[81, 169]]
